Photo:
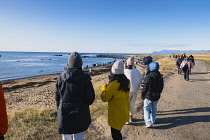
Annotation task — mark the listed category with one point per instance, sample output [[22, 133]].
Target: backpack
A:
[[185, 66], [157, 87]]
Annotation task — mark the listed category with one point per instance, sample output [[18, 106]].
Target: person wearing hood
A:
[[116, 93], [135, 78], [146, 61], [151, 92], [3, 114], [73, 94]]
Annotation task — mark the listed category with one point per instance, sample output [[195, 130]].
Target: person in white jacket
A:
[[135, 78]]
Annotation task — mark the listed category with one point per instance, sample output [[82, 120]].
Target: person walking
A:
[[116, 93], [135, 78], [73, 94], [186, 67], [178, 63], [191, 57], [151, 93], [146, 61], [183, 56], [3, 114]]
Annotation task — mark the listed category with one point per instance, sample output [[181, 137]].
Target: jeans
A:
[[150, 111], [77, 136], [116, 134]]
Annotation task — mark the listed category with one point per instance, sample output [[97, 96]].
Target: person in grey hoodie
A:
[[135, 78], [73, 94]]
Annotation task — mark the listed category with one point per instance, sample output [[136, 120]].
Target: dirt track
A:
[[184, 112]]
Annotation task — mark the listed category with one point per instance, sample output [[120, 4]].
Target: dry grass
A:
[[204, 57], [32, 123], [201, 57], [167, 66], [99, 108]]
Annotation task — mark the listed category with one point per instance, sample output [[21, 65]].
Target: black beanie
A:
[[75, 60]]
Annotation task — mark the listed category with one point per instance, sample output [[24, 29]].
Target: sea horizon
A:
[[18, 64]]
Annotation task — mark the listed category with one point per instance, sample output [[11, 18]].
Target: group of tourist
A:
[[185, 64], [74, 93]]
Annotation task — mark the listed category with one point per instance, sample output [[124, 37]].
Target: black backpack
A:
[[185, 66], [157, 85]]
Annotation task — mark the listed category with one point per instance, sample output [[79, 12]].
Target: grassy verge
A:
[[167, 66], [32, 123]]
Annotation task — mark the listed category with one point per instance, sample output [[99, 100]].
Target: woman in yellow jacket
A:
[[116, 93]]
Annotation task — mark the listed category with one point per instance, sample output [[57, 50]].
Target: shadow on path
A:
[[200, 79], [170, 122], [198, 73]]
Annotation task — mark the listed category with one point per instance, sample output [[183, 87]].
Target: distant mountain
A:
[[180, 51]]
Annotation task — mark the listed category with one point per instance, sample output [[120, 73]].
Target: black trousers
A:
[[116, 134], [186, 73], [1, 137]]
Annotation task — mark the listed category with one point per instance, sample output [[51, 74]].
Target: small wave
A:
[[34, 64]]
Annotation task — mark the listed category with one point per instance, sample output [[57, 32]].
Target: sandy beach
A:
[[38, 90]]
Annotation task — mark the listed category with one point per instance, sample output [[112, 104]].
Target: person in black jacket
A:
[[146, 61], [178, 63], [153, 86], [73, 94]]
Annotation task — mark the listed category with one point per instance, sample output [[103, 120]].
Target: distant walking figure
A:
[[116, 93], [135, 78], [3, 114], [183, 56], [186, 67], [178, 63], [191, 57], [146, 61], [151, 92], [73, 94]]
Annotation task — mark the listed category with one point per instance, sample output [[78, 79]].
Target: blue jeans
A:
[[77, 136], [150, 110]]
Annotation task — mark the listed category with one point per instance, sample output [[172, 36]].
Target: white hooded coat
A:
[[135, 78]]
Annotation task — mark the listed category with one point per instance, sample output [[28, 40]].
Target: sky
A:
[[104, 26]]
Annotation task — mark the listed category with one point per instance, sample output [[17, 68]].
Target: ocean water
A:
[[15, 65]]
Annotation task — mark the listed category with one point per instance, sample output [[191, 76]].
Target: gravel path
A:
[[184, 110]]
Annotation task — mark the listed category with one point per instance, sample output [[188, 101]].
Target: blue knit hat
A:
[[153, 66]]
